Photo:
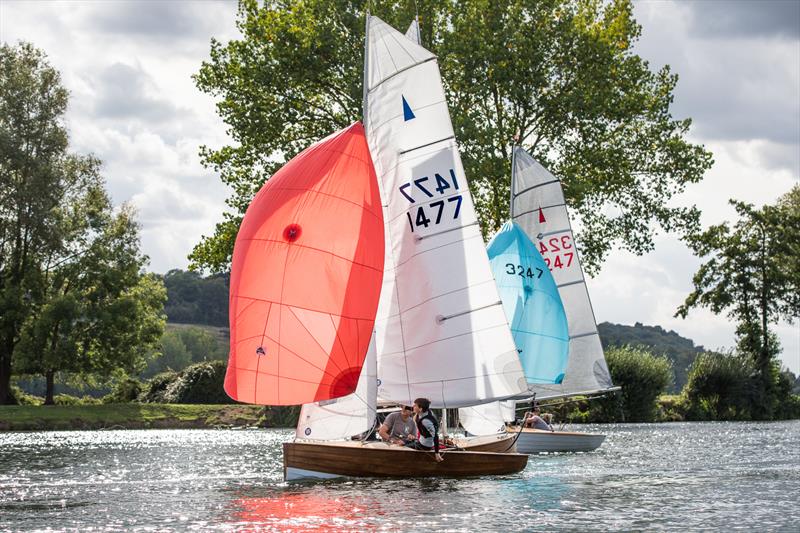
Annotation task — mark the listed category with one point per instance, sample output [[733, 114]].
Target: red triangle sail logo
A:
[[542, 220]]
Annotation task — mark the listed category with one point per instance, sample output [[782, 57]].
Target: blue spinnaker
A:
[[532, 305]]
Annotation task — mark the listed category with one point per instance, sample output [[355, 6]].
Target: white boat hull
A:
[[539, 441]]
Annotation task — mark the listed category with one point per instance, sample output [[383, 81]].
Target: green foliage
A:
[[155, 390], [679, 350], [126, 390], [18, 396], [183, 346], [193, 299], [200, 383], [560, 73], [68, 399], [752, 273], [643, 378], [720, 387], [73, 296]]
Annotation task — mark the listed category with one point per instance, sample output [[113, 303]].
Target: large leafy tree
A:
[[560, 75], [752, 273], [71, 292]]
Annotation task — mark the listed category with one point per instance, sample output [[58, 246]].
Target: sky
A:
[[128, 67]]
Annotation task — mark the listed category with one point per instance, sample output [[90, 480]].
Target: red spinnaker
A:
[[306, 277]]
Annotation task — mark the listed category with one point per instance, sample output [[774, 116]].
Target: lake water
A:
[[680, 476]]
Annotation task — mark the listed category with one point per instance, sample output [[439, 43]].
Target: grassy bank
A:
[[129, 416]]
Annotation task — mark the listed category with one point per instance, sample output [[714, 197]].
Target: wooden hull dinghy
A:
[[542, 441], [325, 460]]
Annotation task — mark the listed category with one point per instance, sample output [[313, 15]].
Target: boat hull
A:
[[540, 441], [500, 443], [321, 460]]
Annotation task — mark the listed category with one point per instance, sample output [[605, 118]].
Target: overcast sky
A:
[[128, 66]]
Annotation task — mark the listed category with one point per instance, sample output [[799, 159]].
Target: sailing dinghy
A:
[[440, 330], [538, 207]]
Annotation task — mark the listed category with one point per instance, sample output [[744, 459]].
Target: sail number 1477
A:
[[557, 252], [433, 212]]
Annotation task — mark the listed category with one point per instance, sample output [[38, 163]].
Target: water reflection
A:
[[210, 480]]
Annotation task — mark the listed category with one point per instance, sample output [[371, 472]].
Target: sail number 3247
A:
[[557, 252], [432, 212]]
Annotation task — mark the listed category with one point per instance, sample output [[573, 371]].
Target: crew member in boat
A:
[[399, 427], [533, 419], [427, 428]]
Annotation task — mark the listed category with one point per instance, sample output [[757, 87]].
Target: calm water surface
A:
[[714, 476]]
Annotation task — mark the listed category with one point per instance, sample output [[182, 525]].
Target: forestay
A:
[[440, 330], [538, 207]]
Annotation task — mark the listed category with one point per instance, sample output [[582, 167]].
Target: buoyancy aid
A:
[[424, 432]]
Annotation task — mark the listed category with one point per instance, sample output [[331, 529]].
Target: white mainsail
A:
[[412, 33], [441, 332], [538, 206], [341, 418]]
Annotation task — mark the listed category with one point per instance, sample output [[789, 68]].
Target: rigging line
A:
[[581, 335], [537, 208], [577, 282], [418, 63], [419, 238], [440, 319], [532, 187], [403, 152]]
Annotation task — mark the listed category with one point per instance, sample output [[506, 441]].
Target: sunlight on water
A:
[[657, 476]]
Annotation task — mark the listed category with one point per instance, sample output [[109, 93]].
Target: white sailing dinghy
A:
[[440, 330], [538, 206]]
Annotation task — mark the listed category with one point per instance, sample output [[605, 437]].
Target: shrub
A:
[[154, 391], [199, 383], [68, 399], [126, 390], [643, 378], [720, 387], [18, 396]]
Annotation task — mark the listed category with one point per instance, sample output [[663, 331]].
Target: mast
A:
[[511, 185], [366, 70]]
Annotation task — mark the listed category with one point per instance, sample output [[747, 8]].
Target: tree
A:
[[559, 73], [35, 174], [642, 376], [72, 292], [752, 273], [99, 313]]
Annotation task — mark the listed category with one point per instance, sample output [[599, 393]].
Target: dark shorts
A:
[[416, 445]]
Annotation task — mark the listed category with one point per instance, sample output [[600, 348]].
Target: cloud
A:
[[126, 92], [164, 21], [735, 86], [766, 18]]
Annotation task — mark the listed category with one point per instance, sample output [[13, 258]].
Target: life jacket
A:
[[423, 431]]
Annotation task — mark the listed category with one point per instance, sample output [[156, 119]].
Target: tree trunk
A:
[[5, 376], [48, 395]]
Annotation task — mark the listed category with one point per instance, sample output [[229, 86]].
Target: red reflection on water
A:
[[305, 512]]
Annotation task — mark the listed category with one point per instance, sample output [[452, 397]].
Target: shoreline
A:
[[131, 416]]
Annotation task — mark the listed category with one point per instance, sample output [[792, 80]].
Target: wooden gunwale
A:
[[346, 459]]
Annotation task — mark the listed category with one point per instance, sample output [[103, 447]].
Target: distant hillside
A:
[[680, 350], [193, 299]]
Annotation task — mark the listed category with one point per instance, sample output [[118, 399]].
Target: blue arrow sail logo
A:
[[407, 113]]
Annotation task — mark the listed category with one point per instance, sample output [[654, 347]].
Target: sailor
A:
[[535, 421], [399, 427], [427, 429]]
